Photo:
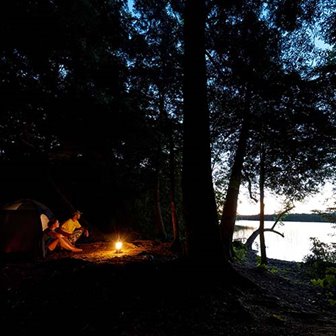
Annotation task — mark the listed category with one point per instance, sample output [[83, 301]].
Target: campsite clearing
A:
[[148, 291]]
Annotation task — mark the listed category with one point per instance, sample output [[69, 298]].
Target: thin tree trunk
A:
[[176, 245], [159, 224], [160, 228], [262, 208]]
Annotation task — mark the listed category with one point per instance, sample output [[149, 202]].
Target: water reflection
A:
[[295, 245]]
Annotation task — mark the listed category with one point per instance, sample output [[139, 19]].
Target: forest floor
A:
[[147, 290]]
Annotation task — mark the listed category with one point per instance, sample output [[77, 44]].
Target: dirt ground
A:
[[147, 290]]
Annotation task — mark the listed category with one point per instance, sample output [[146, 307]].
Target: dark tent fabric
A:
[[21, 226]]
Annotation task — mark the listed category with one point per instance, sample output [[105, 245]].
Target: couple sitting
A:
[[64, 236]]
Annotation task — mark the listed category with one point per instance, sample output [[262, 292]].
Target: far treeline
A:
[[295, 217]]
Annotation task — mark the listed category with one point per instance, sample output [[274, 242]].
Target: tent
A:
[[21, 226]]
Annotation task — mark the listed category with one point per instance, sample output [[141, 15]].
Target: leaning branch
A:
[[282, 213], [249, 242], [249, 186]]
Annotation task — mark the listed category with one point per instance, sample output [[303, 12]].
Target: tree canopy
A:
[[148, 111]]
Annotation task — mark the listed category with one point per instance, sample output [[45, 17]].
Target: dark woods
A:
[[150, 118]]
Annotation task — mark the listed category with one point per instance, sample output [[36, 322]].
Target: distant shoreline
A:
[[288, 218]]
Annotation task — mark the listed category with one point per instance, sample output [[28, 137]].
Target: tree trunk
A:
[[176, 245], [262, 208], [202, 229], [230, 206], [159, 224]]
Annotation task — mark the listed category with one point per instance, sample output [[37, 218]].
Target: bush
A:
[[321, 265], [239, 250], [321, 257]]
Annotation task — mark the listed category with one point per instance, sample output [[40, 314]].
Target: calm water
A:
[[296, 243]]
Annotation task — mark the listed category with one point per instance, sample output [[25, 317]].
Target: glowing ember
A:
[[118, 246]]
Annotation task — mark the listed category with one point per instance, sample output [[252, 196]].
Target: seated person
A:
[[72, 229], [52, 239]]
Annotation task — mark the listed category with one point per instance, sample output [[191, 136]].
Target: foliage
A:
[[239, 251], [321, 265], [273, 270], [329, 283], [321, 256], [329, 214], [94, 91], [85, 81], [285, 107], [260, 264]]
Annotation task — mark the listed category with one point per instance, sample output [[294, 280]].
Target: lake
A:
[[295, 245]]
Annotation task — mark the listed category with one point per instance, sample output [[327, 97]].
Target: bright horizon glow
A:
[[273, 204]]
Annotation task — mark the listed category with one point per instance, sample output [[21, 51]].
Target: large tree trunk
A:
[[202, 229], [230, 206]]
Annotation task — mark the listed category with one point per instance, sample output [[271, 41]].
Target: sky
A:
[[318, 201]]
